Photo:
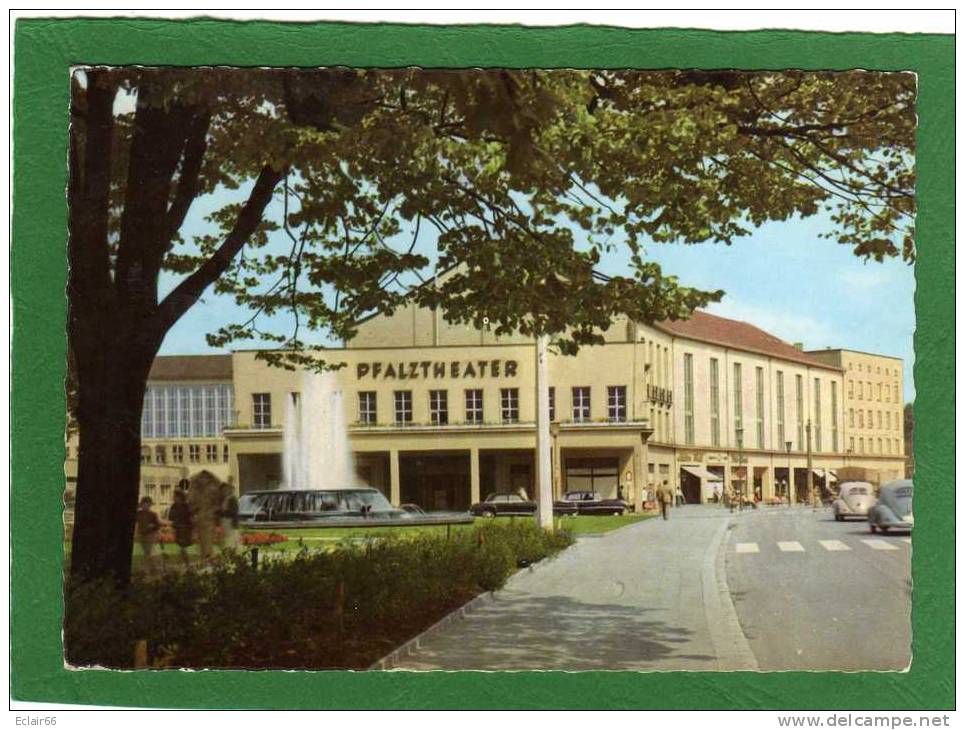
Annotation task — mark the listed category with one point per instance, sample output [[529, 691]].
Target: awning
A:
[[701, 473]]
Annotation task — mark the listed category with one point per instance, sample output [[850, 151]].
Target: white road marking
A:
[[833, 545], [747, 547], [791, 547], [879, 545], [906, 539]]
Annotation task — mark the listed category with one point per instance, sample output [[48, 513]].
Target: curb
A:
[[391, 660], [731, 646]]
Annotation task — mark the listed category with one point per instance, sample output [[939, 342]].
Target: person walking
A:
[[148, 531], [228, 516], [665, 496], [181, 521]]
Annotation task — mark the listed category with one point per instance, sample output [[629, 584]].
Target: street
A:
[[769, 589]]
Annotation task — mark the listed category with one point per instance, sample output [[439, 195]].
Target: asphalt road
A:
[[820, 594], [766, 589]]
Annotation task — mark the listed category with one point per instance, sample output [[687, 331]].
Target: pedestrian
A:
[[148, 530], [181, 521], [204, 498], [678, 496], [665, 496], [228, 516]]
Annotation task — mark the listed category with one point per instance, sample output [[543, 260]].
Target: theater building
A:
[[441, 415]]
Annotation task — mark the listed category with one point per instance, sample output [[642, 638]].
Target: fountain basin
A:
[[346, 507]]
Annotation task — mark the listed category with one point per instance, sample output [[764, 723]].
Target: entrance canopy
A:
[[830, 473], [701, 473]]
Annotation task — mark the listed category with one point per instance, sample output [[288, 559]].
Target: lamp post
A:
[[810, 469], [740, 465], [790, 476]]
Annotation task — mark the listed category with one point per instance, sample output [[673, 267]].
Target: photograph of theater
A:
[[442, 415]]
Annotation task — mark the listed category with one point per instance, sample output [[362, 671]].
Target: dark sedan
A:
[[515, 504], [591, 503]]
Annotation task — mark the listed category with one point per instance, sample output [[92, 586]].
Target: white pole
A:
[[544, 454]]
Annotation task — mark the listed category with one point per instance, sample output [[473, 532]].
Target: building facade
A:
[[442, 415]]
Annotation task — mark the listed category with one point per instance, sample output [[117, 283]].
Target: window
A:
[[880, 447], [879, 392], [403, 407], [552, 403], [888, 393], [780, 410], [759, 372], [850, 389], [888, 419], [581, 404], [688, 398], [474, 406], [879, 419], [194, 453], [851, 445], [146, 455], [509, 404], [368, 407], [160, 455], [738, 398], [817, 414], [861, 445], [860, 419], [834, 416], [177, 454], [616, 401], [211, 453], [897, 395], [799, 401], [225, 453], [261, 410], [439, 407], [851, 417], [714, 402]]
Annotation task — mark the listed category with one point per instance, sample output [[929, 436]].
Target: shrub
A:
[[339, 608]]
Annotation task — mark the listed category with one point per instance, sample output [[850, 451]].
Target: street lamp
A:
[[790, 478], [739, 431], [809, 464]]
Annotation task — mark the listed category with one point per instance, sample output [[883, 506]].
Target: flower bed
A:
[[247, 538]]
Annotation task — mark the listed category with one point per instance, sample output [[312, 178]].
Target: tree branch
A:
[[185, 294], [188, 181]]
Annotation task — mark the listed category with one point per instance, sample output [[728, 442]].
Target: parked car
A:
[[510, 503], [591, 503], [854, 500], [893, 510]]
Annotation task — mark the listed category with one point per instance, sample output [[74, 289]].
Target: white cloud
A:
[[789, 326], [866, 278]]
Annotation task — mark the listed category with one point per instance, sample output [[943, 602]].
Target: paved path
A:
[[648, 596]]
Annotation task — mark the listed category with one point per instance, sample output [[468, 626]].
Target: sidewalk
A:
[[646, 597]]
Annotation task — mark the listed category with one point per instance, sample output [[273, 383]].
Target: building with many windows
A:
[[442, 414]]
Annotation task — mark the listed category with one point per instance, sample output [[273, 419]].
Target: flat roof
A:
[[856, 352], [191, 367]]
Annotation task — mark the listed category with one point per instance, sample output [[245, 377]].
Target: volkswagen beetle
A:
[[854, 500], [893, 509]]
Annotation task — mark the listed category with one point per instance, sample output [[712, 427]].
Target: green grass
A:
[[598, 524]]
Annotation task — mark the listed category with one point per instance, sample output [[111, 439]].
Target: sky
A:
[[782, 278]]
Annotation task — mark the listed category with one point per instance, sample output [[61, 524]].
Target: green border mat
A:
[[44, 49]]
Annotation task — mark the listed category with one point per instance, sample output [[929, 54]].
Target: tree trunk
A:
[[112, 377]]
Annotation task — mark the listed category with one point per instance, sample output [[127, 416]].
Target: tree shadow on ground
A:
[[561, 633]]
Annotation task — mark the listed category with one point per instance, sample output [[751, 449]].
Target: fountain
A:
[[321, 487]]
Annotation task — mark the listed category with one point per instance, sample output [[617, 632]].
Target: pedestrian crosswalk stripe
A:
[[747, 547], [879, 545], [791, 547], [906, 539], [833, 545]]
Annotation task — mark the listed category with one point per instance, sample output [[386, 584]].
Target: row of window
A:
[[885, 446], [474, 406], [159, 454], [888, 422], [187, 411], [861, 368], [759, 407], [885, 392]]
